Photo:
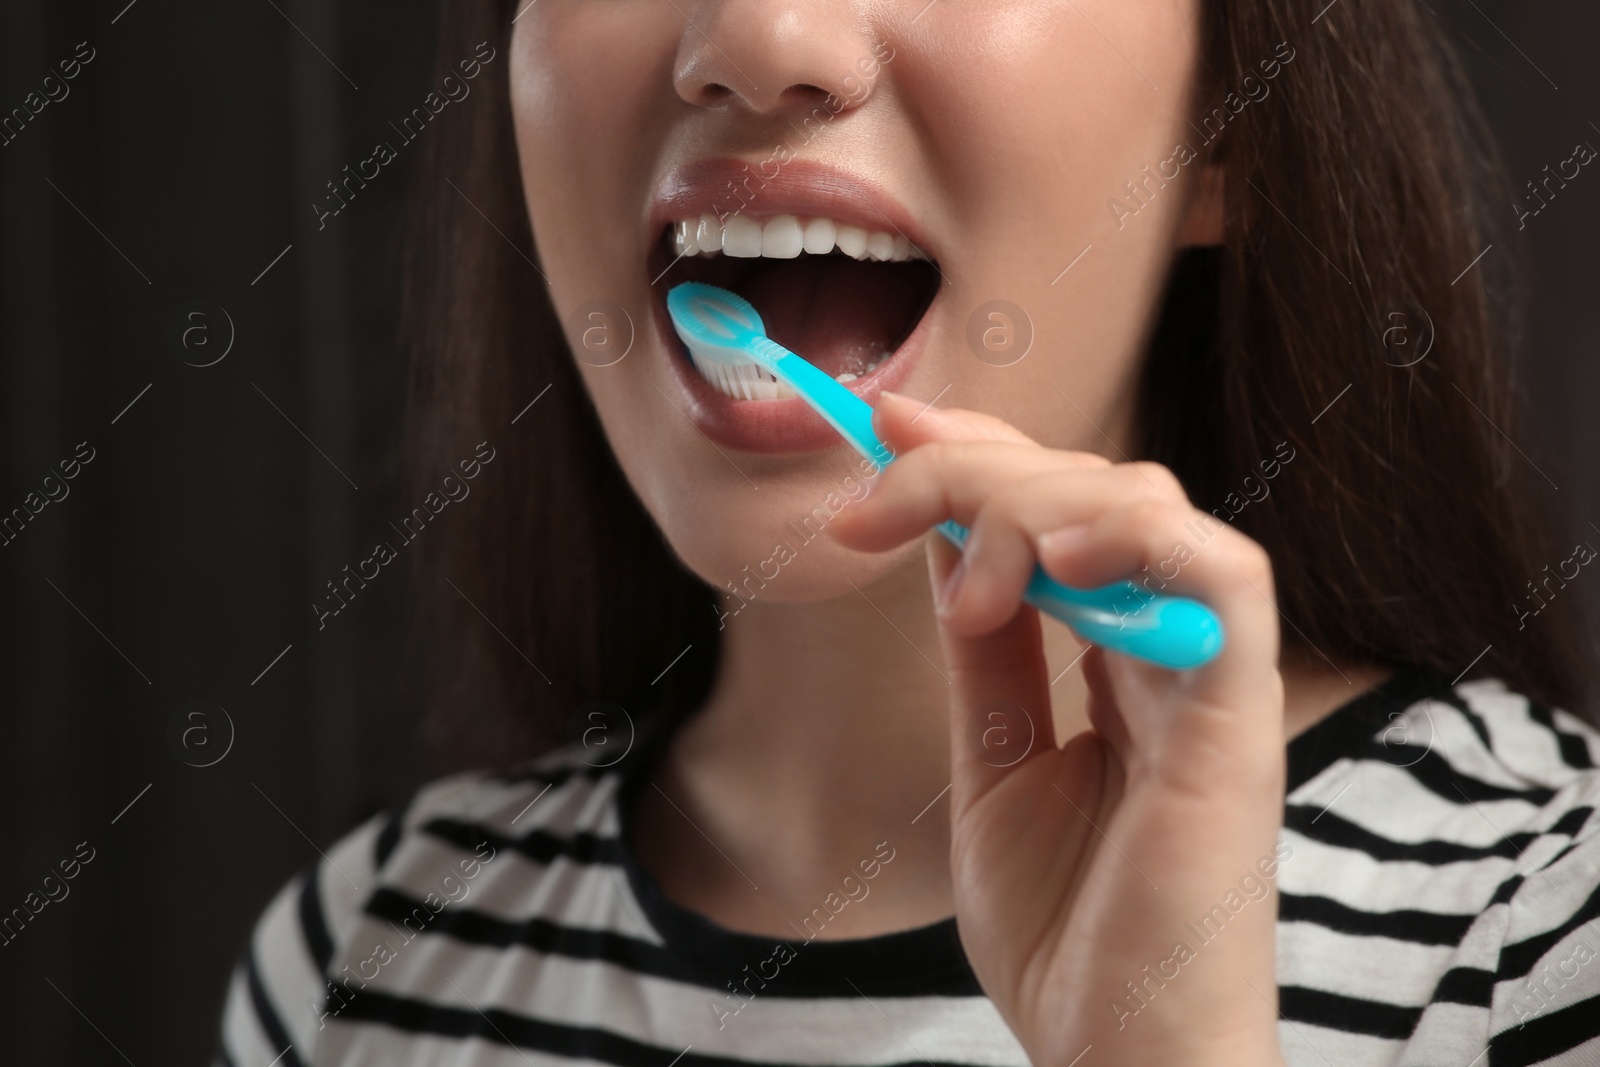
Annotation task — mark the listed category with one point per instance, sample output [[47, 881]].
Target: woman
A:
[[1183, 292]]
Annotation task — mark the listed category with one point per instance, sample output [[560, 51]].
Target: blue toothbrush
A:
[[729, 342]]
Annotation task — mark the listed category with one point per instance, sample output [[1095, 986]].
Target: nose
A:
[[770, 57]]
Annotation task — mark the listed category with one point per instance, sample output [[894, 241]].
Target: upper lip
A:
[[799, 187]]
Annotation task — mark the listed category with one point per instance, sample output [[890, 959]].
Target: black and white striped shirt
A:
[[1437, 898]]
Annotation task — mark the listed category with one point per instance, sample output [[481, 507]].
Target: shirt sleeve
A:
[[276, 1003]]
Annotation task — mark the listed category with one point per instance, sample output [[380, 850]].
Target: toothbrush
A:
[[729, 343]]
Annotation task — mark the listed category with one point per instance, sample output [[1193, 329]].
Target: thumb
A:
[[1000, 692]]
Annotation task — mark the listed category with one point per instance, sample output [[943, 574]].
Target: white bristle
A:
[[747, 380]]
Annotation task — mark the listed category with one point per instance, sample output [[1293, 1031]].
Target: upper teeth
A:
[[785, 237]]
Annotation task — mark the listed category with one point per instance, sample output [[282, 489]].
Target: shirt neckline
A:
[[921, 961], [1355, 726], [926, 960]]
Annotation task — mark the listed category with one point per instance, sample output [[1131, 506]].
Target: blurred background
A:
[[172, 308]]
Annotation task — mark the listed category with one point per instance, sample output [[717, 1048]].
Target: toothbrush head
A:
[[726, 339], [716, 324]]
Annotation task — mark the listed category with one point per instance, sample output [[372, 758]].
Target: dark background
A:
[[186, 557]]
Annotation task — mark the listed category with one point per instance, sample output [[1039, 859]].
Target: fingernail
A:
[[1063, 540], [952, 585]]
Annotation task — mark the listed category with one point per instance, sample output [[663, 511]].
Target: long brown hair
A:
[[1403, 530]]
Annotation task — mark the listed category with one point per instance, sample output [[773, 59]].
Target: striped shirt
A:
[[1437, 897]]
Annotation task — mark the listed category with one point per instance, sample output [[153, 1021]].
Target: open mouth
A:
[[841, 296]]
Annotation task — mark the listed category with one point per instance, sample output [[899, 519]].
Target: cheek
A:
[[586, 101], [1042, 115], [1037, 122], [587, 97]]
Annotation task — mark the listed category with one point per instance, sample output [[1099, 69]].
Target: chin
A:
[[777, 551]]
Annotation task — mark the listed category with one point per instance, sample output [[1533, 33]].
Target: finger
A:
[[953, 480], [1177, 550], [903, 424], [1104, 715], [1000, 693], [1001, 548]]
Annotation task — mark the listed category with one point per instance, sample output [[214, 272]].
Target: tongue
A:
[[840, 314]]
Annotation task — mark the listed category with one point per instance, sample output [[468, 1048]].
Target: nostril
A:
[[806, 93]]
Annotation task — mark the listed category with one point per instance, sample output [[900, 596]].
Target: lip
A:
[[787, 425], [798, 188]]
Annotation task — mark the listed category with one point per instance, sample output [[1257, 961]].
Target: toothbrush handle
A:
[[1169, 631], [1172, 632]]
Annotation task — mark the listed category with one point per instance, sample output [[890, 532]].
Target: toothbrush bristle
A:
[[746, 380]]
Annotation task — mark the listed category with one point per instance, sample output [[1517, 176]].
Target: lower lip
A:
[[775, 426]]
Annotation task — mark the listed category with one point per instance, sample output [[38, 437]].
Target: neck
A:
[[827, 733]]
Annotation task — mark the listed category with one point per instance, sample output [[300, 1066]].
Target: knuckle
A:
[[1159, 476], [1149, 518], [1010, 503], [1249, 560], [950, 457], [928, 454], [996, 543], [1088, 460], [925, 462]]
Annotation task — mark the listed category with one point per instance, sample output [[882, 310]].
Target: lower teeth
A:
[[751, 382]]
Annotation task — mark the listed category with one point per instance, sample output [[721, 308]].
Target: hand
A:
[[1084, 873]]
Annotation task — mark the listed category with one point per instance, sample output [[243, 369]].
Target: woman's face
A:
[[979, 152]]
